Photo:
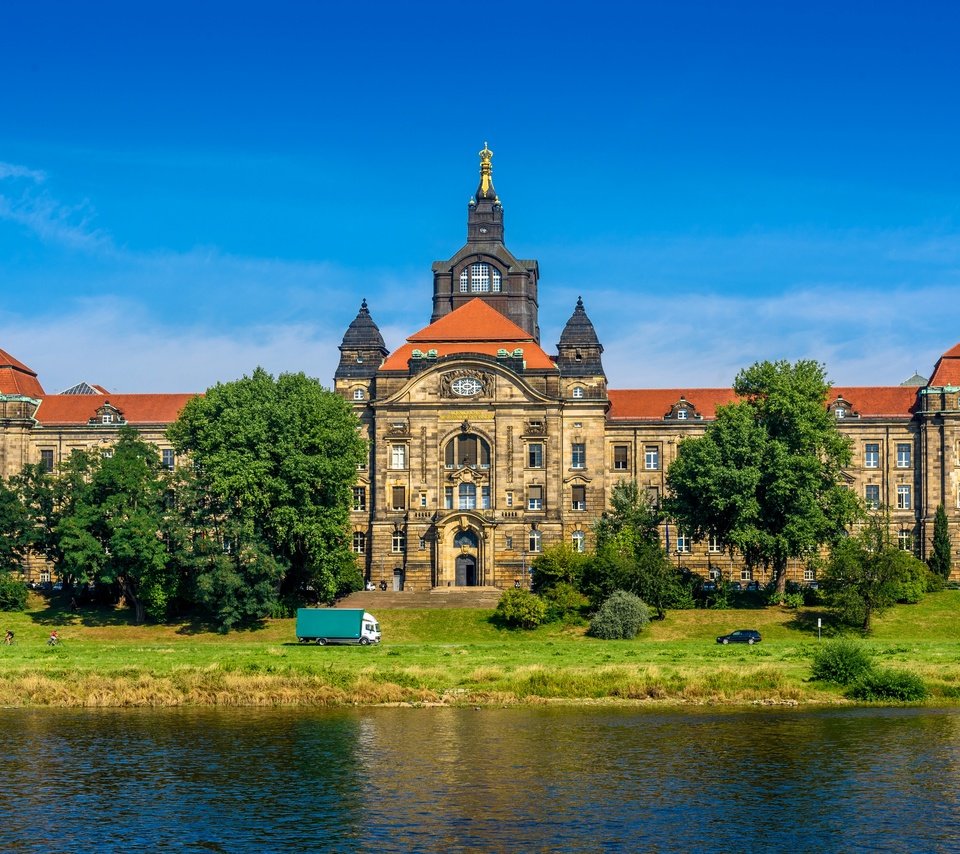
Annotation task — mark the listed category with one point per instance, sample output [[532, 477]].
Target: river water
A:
[[519, 779]]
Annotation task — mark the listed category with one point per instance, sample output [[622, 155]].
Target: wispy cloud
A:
[[13, 170]]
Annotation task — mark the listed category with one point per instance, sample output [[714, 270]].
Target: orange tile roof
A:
[[947, 371], [868, 401], [78, 409], [17, 378], [472, 328]]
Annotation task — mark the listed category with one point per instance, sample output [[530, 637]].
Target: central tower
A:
[[484, 267]]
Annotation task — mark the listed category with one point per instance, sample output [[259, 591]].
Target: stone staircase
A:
[[440, 597]]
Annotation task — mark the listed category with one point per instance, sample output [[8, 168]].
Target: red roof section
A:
[[472, 328], [78, 409], [947, 371], [655, 403], [17, 378]]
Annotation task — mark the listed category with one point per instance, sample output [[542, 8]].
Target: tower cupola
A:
[[579, 350], [484, 212], [362, 350]]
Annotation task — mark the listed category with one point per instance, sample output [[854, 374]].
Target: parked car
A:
[[708, 587], [750, 636], [753, 586], [736, 586]]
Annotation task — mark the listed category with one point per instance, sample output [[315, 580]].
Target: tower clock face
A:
[[467, 386]]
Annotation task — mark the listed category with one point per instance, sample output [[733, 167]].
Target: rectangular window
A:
[[579, 497], [746, 574], [359, 542], [46, 460], [651, 458], [398, 456], [423, 544], [508, 542], [509, 499], [579, 541], [714, 545], [903, 497], [167, 458], [448, 498], [905, 541], [398, 543], [653, 496], [809, 574], [871, 455], [535, 498], [683, 543], [871, 494], [620, 457], [903, 455], [535, 541], [399, 501], [535, 455], [423, 499], [359, 498], [578, 455], [485, 497]]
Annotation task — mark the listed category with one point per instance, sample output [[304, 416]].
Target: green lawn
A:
[[456, 656]]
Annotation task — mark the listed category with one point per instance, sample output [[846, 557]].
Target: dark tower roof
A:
[[579, 350], [362, 349]]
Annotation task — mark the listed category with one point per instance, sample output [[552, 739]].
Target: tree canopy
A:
[[277, 459], [766, 477], [941, 559]]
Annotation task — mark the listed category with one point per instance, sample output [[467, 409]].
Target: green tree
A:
[[279, 456], [766, 476], [118, 524], [558, 564], [14, 525], [628, 553], [866, 574], [940, 559]]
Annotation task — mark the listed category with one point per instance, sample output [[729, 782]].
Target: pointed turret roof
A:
[[17, 378], [579, 331], [947, 371], [363, 333], [472, 328]]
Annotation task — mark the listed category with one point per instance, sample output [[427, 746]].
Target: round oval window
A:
[[466, 386]]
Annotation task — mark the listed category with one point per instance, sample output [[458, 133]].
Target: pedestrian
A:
[[8, 639], [73, 604], [54, 638]]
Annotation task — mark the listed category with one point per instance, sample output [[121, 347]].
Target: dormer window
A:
[[106, 418], [578, 392], [107, 414], [358, 394], [682, 415]]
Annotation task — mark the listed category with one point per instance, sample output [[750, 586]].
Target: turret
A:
[[578, 353], [362, 350]]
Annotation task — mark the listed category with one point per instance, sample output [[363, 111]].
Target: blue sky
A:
[[188, 190]]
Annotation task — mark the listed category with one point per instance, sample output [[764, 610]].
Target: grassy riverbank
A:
[[456, 657]]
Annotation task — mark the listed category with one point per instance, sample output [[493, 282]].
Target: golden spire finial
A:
[[486, 170]]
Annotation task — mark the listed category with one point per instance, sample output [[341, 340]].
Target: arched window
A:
[[578, 392], [480, 279], [358, 394], [579, 541], [467, 497], [467, 450], [536, 540]]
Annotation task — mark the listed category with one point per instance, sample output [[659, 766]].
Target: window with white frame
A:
[[398, 456], [578, 497], [579, 540], [905, 541], [167, 458], [495, 279], [465, 280], [871, 495], [477, 276], [359, 498], [620, 457], [903, 497], [485, 497], [358, 394], [651, 458], [536, 540], [422, 544], [448, 498], [359, 542], [508, 542], [398, 542], [714, 574], [904, 450], [467, 497], [871, 455], [535, 497], [399, 498], [682, 415], [578, 455], [509, 499], [809, 574], [715, 545], [535, 455], [46, 460], [423, 499], [746, 574], [683, 543], [578, 392]]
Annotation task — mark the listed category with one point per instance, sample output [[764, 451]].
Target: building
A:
[[485, 448]]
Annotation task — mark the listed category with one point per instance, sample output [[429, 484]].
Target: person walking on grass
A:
[[8, 639], [54, 638]]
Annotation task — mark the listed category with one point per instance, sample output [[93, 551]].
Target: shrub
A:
[[842, 661], [13, 594], [565, 604], [899, 685], [520, 609], [621, 616]]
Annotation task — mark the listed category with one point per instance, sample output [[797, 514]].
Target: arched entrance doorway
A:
[[465, 566]]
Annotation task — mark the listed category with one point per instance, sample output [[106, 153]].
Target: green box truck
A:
[[337, 625]]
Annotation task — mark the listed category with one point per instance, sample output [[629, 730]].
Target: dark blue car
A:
[[750, 636]]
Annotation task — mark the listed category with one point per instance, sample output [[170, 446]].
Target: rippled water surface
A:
[[479, 780]]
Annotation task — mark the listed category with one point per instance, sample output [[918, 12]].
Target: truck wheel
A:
[[364, 641], [321, 641]]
